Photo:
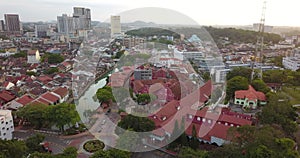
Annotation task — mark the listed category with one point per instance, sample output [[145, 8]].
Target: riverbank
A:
[[98, 78]]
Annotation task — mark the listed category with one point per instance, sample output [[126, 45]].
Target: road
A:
[[56, 144]]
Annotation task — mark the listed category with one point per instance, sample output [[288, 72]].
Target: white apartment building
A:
[[115, 23], [6, 125], [184, 55], [292, 63], [33, 56]]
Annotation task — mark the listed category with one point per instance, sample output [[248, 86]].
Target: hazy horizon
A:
[[214, 12]]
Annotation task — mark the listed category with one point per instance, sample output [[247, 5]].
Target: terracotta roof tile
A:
[[24, 100]]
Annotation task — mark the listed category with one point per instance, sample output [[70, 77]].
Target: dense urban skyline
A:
[[231, 12]]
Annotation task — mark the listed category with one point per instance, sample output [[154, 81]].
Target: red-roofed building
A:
[[5, 97], [20, 102], [211, 125], [7, 85], [44, 79], [118, 79], [250, 98], [65, 66], [62, 92], [49, 98]]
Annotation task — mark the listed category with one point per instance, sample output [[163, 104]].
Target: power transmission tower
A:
[[258, 58]]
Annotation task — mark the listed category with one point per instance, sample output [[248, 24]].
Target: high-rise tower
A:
[[115, 25]]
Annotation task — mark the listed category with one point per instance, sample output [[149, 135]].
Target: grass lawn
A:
[[293, 93]]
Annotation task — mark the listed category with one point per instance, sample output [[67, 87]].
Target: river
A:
[[86, 102]]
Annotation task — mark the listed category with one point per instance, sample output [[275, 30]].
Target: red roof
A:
[[159, 132], [41, 101], [118, 79], [5, 84], [50, 97], [61, 91], [167, 111], [205, 91], [66, 64], [6, 96], [137, 85], [234, 120], [31, 52], [45, 79], [24, 100], [219, 131], [250, 94]]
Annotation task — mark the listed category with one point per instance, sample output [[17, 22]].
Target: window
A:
[[190, 116], [231, 125], [198, 119], [203, 120], [7, 128], [6, 122], [226, 124], [2, 122], [209, 121]]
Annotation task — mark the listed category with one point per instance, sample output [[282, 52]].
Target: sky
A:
[[204, 12]]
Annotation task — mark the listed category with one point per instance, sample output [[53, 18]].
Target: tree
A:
[[12, 148], [111, 153], [137, 124], [21, 54], [176, 130], [281, 113], [250, 141], [275, 76], [51, 70], [239, 71], [260, 85], [53, 58], [33, 143], [69, 152], [194, 143], [105, 94], [63, 114], [119, 54], [206, 76], [30, 73], [143, 98], [234, 84], [128, 141], [187, 152], [35, 114]]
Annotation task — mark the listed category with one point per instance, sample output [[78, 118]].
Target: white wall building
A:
[[115, 23], [6, 125], [33, 56], [82, 18], [65, 24], [292, 63], [41, 30], [194, 55]]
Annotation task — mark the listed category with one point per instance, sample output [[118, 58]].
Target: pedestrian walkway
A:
[[86, 133]]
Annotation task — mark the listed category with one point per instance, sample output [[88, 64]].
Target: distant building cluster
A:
[[292, 62], [115, 24], [81, 20], [11, 24]]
